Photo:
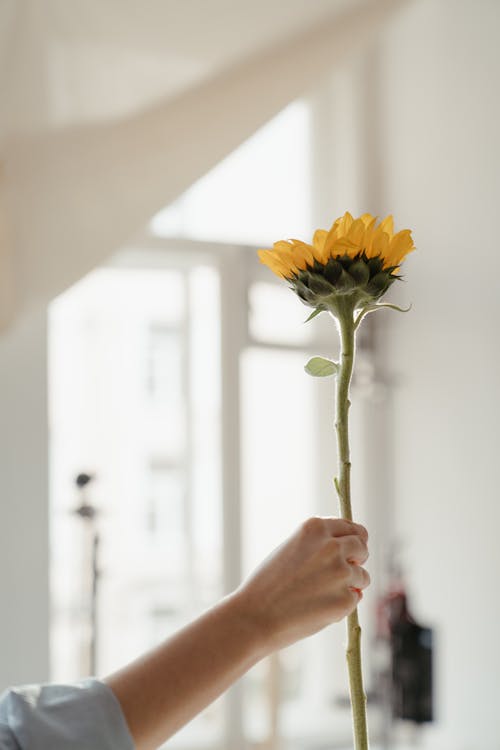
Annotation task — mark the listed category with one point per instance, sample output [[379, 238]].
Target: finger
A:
[[360, 578], [357, 594], [353, 598], [342, 527], [354, 549], [361, 531]]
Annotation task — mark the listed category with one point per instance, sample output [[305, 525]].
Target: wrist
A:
[[247, 625]]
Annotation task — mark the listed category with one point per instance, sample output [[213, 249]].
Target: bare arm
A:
[[311, 580]]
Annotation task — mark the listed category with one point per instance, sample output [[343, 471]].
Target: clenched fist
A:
[[311, 580]]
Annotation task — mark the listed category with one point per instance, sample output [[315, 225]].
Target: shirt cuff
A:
[[82, 716]]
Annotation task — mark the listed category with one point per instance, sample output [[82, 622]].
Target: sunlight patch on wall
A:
[[257, 194]]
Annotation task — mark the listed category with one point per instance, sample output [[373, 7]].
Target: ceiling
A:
[[71, 62]]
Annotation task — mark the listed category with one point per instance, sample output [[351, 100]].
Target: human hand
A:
[[313, 579]]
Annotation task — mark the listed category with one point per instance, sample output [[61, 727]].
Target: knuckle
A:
[[313, 526], [363, 533], [362, 553], [363, 543], [364, 550]]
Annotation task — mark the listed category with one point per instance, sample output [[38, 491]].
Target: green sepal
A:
[[379, 284], [359, 272], [314, 314], [332, 270], [319, 285], [345, 261], [304, 292], [320, 367], [375, 265], [345, 282]]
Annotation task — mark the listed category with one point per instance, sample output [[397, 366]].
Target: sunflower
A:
[[352, 265]]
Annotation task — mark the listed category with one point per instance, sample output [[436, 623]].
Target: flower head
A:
[[355, 262]]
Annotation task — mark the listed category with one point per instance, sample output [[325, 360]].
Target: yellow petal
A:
[[380, 245], [269, 259], [319, 238], [302, 254], [345, 223], [368, 240], [402, 241], [319, 242], [282, 245], [264, 255], [335, 224], [401, 245], [287, 260], [387, 225], [368, 219], [371, 224], [357, 233], [283, 250], [330, 241], [344, 246]]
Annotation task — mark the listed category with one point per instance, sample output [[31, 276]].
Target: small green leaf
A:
[[320, 367], [393, 307], [314, 313], [362, 313], [378, 306], [337, 486]]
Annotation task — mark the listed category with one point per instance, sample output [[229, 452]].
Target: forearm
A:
[[167, 687]]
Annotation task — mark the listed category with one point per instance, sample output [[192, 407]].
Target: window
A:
[[128, 408], [147, 398], [164, 372]]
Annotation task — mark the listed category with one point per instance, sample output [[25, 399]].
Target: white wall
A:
[[23, 504], [440, 117], [412, 128]]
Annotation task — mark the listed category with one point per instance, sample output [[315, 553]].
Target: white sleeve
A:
[[82, 716]]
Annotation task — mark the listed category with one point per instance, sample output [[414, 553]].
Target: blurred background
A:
[[158, 435]]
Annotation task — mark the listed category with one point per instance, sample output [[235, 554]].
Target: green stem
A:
[[353, 654]]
